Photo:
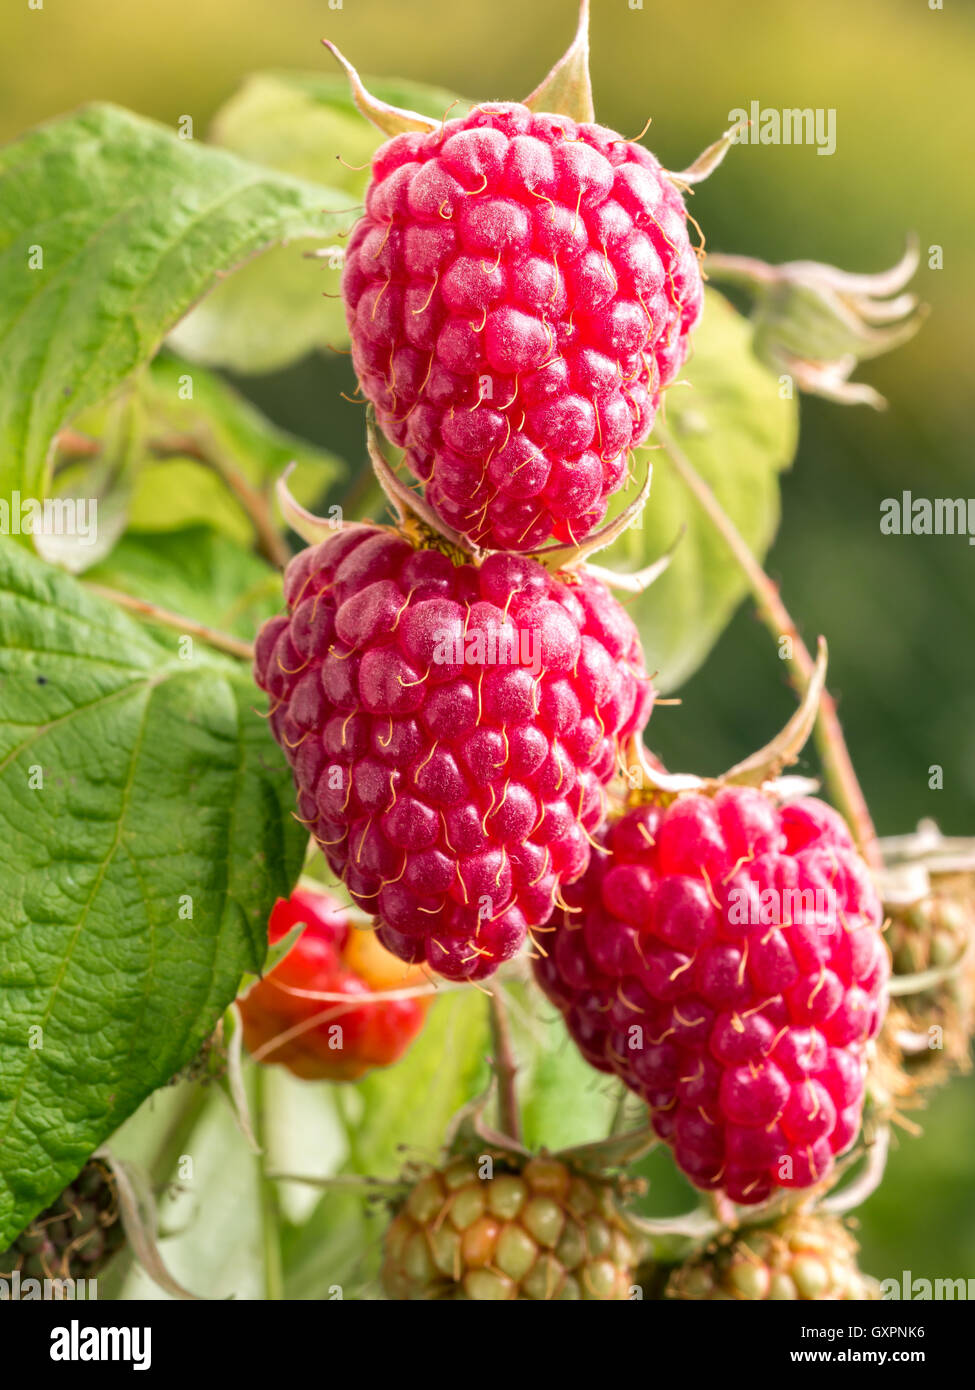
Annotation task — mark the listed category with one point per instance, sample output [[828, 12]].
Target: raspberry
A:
[[76, 1236], [726, 963], [799, 1257], [532, 1231], [930, 1032], [450, 729], [929, 901], [319, 1039], [933, 933], [518, 293]]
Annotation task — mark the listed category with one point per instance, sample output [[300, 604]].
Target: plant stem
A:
[[830, 742], [221, 640], [165, 1156], [75, 445], [254, 502], [272, 544], [347, 1181], [174, 1142], [868, 1181], [924, 979], [618, 1124], [270, 1210], [724, 1210], [505, 1067]]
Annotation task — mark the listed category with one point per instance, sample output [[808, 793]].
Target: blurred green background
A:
[[899, 612]]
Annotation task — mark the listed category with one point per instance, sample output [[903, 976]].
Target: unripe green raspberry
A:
[[930, 907], [799, 1257], [532, 1230]]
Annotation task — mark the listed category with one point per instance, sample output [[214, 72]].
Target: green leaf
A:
[[111, 227], [94, 500], [210, 1228], [130, 778], [197, 446], [552, 1071], [273, 311], [445, 1065], [339, 1246], [195, 406], [198, 572], [307, 123], [95, 490], [739, 434], [181, 492]]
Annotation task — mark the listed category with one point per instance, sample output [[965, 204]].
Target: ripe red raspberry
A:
[[518, 293], [727, 964], [451, 729], [321, 1040]]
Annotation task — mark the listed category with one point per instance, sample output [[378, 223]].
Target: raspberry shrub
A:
[[521, 292], [534, 1230], [330, 1040], [518, 294], [76, 1236], [724, 959], [451, 729], [800, 1257]]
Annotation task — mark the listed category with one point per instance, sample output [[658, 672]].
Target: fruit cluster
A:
[[456, 710], [458, 696]]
